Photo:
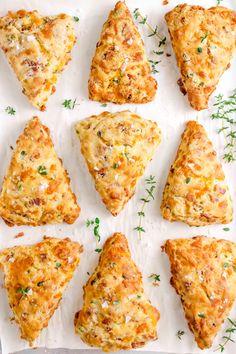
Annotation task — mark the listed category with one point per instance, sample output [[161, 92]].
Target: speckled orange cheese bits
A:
[[120, 71], [116, 314], [204, 43], [35, 278], [37, 48], [196, 191], [117, 148], [203, 275], [36, 189]]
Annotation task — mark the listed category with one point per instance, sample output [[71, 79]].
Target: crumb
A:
[[168, 54], [181, 87], [165, 2], [11, 147], [20, 234]]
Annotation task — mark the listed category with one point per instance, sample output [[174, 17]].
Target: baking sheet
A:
[[171, 110]]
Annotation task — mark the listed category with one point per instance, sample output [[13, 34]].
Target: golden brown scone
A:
[[204, 41], [204, 275], [196, 191], [116, 314], [117, 148], [36, 189], [35, 279], [120, 71], [37, 48]]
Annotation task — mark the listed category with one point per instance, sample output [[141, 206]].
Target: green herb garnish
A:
[[104, 105], [116, 302], [188, 179], [69, 104], [23, 291], [199, 50], [228, 335], [96, 231], [180, 334], [10, 110], [155, 278], [151, 185], [57, 265], [42, 170], [204, 37], [202, 315], [115, 166], [76, 18], [98, 250], [226, 265], [225, 114], [226, 229]]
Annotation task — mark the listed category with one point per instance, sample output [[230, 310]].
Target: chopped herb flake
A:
[[188, 179], [201, 314], [10, 110], [98, 250], [226, 229], [199, 50], [57, 265], [69, 104], [180, 334], [76, 18], [23, 291], [42, 170], [104, 105], [115, 166]]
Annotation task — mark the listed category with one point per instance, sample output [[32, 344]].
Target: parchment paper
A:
[[171, 110]]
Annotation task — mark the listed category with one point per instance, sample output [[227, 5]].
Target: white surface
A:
[[171, 110]]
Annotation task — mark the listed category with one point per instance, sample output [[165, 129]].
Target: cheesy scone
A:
[[196, 191], [204, 41], [36, 189], [204, 276], [116, 314], [37, 48], [35, 278], [117, 148], [120, 71]]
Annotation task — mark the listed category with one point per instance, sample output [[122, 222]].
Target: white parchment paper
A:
[[171, 110]]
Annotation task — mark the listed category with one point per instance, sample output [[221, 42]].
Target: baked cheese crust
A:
[[120, 71], [196, 191], [36, 189], [35, 279], [37, 48], [203, 274], [117, 148], [204, 41], [116, 314]]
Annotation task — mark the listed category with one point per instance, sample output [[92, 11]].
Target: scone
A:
[[116, 314], [36, 189], [196, 191], [120, 71], [117, 148], [204, 276], [204, 41], [37, 48], [35, 278]]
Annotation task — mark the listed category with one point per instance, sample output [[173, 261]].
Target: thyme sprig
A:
[[228, 335], [226, 114], [142, 20], [155, 279], [10, 110], [150, 188], [180, 333], [96, 231], [218, 2], [69, 104]]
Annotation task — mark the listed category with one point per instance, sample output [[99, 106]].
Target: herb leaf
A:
[[10, 110], [180, 334], [42, 170], [23, 291], [155, 278], [57, 265], [228, 337], [76, 18], [96, 231], [69, 104]]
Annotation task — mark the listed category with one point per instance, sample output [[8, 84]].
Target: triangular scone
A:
[[36, 189], [116, 314], [117, 148], [196, 191], [120, 71], [203, 274], [37, 48], [204, 41], [35, 279]]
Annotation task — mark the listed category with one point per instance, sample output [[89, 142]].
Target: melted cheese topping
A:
[[204, 275], [204, 42], [116, 314], [37, 48], [117, 148], [35, 279], [36, 189], [120, 72], [196, 191]]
